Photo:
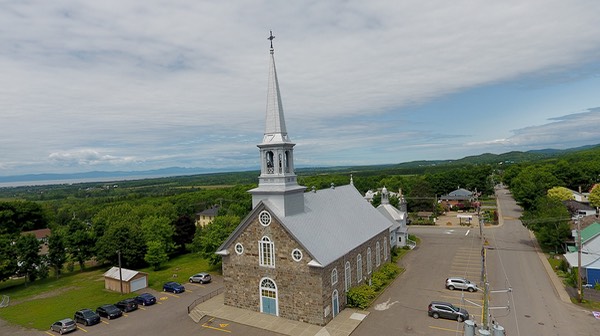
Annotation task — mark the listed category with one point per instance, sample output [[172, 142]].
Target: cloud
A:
[[154, 84]]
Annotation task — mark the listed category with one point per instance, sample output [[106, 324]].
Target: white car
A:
[[201, 278], [453, 283]]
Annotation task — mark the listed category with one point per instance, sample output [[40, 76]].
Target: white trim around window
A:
[[266, 252]]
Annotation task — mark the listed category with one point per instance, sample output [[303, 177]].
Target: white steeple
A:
[[385, 196], [277, 181]]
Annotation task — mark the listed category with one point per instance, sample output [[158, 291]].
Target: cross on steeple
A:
[[271, 37]]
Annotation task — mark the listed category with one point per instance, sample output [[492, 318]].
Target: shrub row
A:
[[362, 296]]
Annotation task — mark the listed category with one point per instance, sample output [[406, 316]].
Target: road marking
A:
[[222, 325], [142, 308], [447, 329], [49, 333], [163, 298], [104, 322], [385, 305], [171, 294], [80, 328], [467, 233]]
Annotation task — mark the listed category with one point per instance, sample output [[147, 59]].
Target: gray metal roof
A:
[[127, 274], [334, 222]]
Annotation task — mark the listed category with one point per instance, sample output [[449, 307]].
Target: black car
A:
[[127, 305], [86, 317], [437, 309], [109, 311], [145, 299], [173, 287]]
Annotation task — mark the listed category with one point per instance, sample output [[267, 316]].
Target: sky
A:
[[139, 85]]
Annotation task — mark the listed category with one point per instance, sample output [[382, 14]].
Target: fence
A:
[[204, 298]]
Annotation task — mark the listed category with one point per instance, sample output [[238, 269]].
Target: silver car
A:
[[201, 278], [460, 283], [63, 326]]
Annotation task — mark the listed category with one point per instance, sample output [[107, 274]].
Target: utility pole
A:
[[579, 285], [120, 273]]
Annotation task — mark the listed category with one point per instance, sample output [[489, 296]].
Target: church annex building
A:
[[297, 253]]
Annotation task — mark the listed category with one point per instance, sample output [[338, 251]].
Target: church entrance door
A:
[[335, 303], [268, 297]]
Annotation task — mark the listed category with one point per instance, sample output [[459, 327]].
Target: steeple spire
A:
[[275, 131]]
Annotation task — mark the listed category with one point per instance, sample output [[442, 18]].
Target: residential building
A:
[[206, 217]]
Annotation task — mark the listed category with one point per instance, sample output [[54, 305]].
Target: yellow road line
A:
[[214, 328], [447, 329], [80, 328]]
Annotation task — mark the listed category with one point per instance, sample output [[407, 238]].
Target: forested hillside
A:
[[152, 220]]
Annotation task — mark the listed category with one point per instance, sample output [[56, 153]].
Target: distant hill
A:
[[413, 167]]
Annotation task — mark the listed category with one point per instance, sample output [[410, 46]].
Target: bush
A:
[[361, 296]]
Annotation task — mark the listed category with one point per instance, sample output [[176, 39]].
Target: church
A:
[[298, 252]]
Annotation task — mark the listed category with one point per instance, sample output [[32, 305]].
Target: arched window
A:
[[287, 161], [359, 268], [334, 276], [384, 249], [266, 250], [369, 260], [377, 254], [269, 162], [347, 277]]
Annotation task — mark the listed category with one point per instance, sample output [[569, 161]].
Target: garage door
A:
[[138, 284]]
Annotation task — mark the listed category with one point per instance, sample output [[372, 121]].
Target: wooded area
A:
[[150, 221]]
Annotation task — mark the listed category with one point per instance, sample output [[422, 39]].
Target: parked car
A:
[[127, 305], [460, 283], [145, 299], [173, 287], [447, 310], [109, 311], [201, 278], [86, 317], [63, 326]]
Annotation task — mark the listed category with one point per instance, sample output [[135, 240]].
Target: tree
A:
[[531, 183], [159, 229], [28, 258], [213, 235], [595, 196], [56, 251], [126, 238], [8, 256], [549, 220], [560, 193], [184, 228], [156, 254], [80, 242]]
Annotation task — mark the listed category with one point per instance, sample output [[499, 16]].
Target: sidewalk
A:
[[342, 325]]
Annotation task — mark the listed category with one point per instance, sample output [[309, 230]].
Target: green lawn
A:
[[41, 303]]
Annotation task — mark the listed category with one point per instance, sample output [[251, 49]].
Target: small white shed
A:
[[132, 280]]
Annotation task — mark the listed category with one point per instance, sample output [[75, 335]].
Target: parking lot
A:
[[167, 317], [402, 308]]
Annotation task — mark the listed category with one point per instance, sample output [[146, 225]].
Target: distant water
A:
[[76, 180]]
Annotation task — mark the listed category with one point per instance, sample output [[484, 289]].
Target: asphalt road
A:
[[535, 306], [512, 261]]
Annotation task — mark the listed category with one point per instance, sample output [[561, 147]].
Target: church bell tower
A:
[[277, 182]]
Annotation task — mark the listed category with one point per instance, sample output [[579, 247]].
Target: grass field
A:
[[39, 304]]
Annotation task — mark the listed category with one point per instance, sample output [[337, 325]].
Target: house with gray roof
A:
[[297, 253]]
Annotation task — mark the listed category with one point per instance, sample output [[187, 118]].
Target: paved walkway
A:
[[342, 325]]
